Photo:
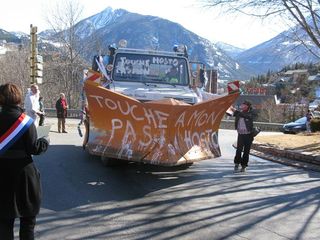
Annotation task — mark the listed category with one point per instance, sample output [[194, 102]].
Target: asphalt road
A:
[[84, 200]]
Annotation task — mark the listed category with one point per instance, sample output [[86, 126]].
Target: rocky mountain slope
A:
[[150, 32], [282, 50]]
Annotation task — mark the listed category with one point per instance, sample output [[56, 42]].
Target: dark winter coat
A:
[[19, 178], [61, 112], [248, 119]]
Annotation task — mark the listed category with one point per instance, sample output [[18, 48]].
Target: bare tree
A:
[[15, 67], [269, 111], [304, 13], [65, 70]]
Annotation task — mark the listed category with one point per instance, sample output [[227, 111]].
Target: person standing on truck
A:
[[61, 107], [203, 77], [244, 126], [20, 185]]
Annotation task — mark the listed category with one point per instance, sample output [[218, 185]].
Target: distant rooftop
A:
[[290, 72], [256, 100], [314, 78]]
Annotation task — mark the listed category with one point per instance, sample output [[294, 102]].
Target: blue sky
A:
[[240, 31]]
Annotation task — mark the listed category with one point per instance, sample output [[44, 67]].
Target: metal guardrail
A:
[[225, 124], [268, 127], [71, 113]]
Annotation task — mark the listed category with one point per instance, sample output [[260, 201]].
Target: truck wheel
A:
[[86, 135], [187, 165], [108, 162], [182, 166]]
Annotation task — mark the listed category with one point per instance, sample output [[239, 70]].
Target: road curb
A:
[[294, 158]]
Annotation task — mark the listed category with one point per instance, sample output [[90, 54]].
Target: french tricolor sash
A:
[[14, 132]]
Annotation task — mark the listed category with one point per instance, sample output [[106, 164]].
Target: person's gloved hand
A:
[[42, 145]]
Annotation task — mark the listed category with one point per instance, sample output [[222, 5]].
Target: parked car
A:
[[296, 126]]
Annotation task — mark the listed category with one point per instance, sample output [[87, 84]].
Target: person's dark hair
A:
[[10, 94], [247, 103]]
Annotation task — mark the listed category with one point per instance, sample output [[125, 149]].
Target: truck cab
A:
[[148, 75]]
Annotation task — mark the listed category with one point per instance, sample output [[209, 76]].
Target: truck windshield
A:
[[146, 68]]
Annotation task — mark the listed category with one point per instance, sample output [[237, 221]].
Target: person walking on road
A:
[[61, 107], [244, 127], [20, 186], [309, 116]]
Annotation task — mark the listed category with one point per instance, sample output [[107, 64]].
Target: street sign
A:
[[38, 80], [39, 66], [38, 73], [36, 60]]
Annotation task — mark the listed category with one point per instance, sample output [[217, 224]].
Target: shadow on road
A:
[[162, 203], [71, 178]]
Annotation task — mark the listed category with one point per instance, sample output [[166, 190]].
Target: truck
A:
[[151, 107]]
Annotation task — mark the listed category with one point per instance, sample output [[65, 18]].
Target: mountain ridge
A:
[[151, 32], [280, 51]]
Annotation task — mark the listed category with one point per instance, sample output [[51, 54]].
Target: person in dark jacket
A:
[[41, 108], [309, 116], [20, 186], [61, 107], [244, 127]]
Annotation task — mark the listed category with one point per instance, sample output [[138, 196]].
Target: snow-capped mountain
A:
[[282, 50], [150, 32], [20, 35], [99, 21], [231, 50], [97, 32], [9, 37], [47, 34]]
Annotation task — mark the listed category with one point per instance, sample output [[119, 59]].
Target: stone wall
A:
[[225, 124]]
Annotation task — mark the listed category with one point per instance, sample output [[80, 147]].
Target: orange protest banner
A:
[[163, 132]]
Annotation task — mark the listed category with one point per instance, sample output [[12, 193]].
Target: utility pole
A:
[[36, 60]]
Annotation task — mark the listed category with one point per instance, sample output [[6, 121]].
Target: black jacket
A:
[[248, 119], [61, 112], [19, 178]]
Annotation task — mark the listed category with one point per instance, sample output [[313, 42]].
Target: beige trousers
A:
[[61, 123]]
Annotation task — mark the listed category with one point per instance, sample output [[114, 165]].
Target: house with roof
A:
[[314, 78], [256, 100], [297, 75]]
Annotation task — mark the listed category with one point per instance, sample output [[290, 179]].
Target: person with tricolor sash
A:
[[20, 185]]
